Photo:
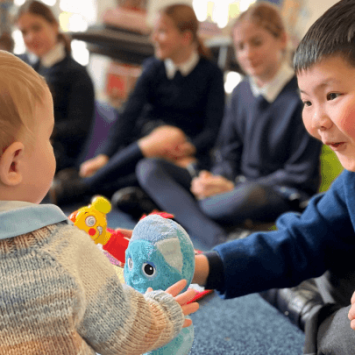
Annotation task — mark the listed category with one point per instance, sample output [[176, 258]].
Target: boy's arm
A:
[[209, 270], [304, 246]]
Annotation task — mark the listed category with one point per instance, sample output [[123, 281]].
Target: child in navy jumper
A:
[[320, 242], [59, 293], [174, 111], [266, 162], [69, 82]]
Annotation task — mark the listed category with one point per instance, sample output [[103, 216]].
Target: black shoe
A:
[[295, 303], [133, 201], [65, 192]]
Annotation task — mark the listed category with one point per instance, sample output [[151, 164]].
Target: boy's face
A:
[[328, 92], [39, 160]]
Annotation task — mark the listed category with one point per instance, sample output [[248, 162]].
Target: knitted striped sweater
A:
[[60, 295]]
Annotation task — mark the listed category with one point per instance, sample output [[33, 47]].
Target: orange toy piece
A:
[[92, 220]]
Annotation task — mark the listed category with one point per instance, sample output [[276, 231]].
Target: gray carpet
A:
[[243, 326]]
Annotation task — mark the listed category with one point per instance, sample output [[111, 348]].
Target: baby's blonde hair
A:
[[21, 89]]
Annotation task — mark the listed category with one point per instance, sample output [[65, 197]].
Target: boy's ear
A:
[[10, 172]]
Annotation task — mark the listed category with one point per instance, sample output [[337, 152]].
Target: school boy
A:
[[321, 241]]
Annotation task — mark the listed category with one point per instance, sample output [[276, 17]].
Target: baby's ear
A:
[[10, 172]]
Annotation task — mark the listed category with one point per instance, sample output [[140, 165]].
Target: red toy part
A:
[[162, 214], [116, 245], [72, 217], [200, 292]]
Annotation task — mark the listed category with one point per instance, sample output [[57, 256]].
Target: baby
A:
[[58, 292]]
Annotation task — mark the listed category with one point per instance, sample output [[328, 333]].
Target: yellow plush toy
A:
[[92, 220]]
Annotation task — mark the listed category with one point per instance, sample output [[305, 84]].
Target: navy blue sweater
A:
[[304, 246], [267, 142], [193, 103], [74, 105]]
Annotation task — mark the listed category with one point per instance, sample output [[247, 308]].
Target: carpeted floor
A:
[[243, 326]]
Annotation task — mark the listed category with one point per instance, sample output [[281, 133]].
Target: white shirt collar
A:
[[54, 56], [185, 68], [271, 90]]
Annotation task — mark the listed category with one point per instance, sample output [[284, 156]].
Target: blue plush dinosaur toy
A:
[[159, 254]]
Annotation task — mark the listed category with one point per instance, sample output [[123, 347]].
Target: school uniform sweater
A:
[[304, 246], [194, 103], [267, 142], [60, 295], [74, 106]]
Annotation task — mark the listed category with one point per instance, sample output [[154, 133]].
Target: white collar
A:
[[54, 56], [185, 68], [271, 90]]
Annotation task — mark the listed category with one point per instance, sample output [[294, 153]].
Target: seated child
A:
[[59, 294], [320, 242]]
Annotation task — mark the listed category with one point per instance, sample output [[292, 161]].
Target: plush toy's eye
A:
[[148, 269], [90, 221], [130, 263]]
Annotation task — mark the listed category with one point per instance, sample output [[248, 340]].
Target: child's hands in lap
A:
[[207, 184]]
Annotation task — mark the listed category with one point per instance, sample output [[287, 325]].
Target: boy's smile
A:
[[328, 91]]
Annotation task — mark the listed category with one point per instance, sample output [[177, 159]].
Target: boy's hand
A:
[[202, 269], [182, 299], [351, 314]]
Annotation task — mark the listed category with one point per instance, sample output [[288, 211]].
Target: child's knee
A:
[[147, 168]]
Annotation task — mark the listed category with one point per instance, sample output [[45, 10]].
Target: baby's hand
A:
[[351, 314], [183, 299]]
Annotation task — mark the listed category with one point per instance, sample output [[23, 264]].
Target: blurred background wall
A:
[[216, 17]]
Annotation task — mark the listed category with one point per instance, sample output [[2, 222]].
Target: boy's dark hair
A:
[[332, 34]]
